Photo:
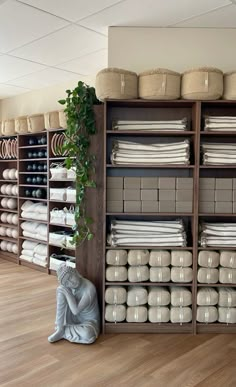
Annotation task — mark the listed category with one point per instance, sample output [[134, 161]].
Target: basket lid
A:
[[116, 70], [204, 69], [158, 71]]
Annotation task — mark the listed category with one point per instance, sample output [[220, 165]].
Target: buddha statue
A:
[[77, 313]]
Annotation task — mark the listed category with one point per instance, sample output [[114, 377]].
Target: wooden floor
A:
[[27, 312]]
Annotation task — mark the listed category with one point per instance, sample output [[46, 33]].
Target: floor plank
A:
[[27, 314]]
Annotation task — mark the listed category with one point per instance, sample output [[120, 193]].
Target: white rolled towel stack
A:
[[147, 234], [32, 210], [116, 270], [34, 230], [207, 299], [218, 234], [158, 301], [181, 270], [115, 298], [227, 305], [159, 262], [208, 262], [35, 252], [227, 271]]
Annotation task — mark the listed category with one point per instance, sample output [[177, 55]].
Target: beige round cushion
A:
[[159, 84], [204, 83], [21, 125], [117, 84], [230, 85]]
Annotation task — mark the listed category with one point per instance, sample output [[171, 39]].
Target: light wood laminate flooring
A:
[[27, 313]]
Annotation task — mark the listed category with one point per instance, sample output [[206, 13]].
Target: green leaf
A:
[[90, 236], [62, 101]]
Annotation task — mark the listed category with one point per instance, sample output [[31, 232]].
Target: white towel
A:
[[207, 297], [26, 258], [41, 249], [40, 257], [39, 262], [29, 253], [29, 245]]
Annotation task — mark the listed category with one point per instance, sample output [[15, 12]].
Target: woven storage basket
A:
[[36, 123], [159, 84], [230, 85], [117, 84], [202, 84], [62, 119], [51, 120], [21, 124], [8, 127]]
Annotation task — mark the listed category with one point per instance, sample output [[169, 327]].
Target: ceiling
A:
[[46, 42]]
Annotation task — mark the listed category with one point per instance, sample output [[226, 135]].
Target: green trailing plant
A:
[[80, 127]]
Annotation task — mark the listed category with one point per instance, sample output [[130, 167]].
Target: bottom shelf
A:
[[9, 256], [147, 328], [32, 265], [216, 328]]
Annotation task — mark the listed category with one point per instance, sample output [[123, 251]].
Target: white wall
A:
[[37, 101], [140, 49]]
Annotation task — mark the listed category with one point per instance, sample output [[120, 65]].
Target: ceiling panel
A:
[[44, 78], [149, 13], [11, 68], [9, 91], [221, 18], [74, 9], [62, 46], [87, 65], [20, 24]]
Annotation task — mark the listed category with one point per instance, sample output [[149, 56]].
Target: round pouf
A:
[[204, 83], [159, 84], [117, 84], [230, 85]]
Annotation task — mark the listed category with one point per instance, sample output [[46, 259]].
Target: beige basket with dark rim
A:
[[8, 127], [51, 120], [117, 84], [21, 125], [159, 84], [230, 85], [36, 123], [62, 119], [204, 83]]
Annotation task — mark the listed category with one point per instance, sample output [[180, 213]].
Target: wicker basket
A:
[[62, 119], [51, 120], [230, 85], [159, 84], [117, 84], [8, 127], [21, 124], [202, 84], [36, 123]]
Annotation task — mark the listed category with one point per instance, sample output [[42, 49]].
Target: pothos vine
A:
[[80, 127]]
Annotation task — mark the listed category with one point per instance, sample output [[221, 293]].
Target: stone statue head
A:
[[68, 276]]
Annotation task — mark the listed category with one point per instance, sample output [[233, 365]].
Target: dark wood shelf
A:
[[61, 201], [216, 328], [33, 220], [218, 285], [217, 248], [217, 215], [147, 248], [9, 196], [8, 160], [162, 133], [32, 146], [60, 225], [33, 173], [7, 210], [13, 240], [9, 256], [31, 198], [8, 181], [9, 225], [217, 133], [33, 185], [147, 327], [146, 214], [170, 166], [61, 180], [187, 284], [57, 158], [33, 239], [35, 159], [32, 265], [230, 166], [62, 247]]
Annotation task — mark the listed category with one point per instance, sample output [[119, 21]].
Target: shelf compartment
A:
[[62, 247], [218, 166], [218, 133], [9, 225], [8, 181], [217, 248], [7, 161], [35, 159], [147, 328], [61, 180], [217, 215], [33, 173], [9, 196], [216, 328], [9, 256], [169, 284], [33, 185]]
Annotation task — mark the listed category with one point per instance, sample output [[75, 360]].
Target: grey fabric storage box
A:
[[207, 195], [167, 183], [234, 195], [184, 183], [167, 206], [207, 183], [137, 295], [132, 194], [223, 195], [207, 207], [150, 206], [132, 206], [166, 194], [149, 182], [115, 313], [136, 314], [234, 207], [115, 194], [149, 194], [158, 314], [115, 295], [207, 314], [132, 183], [226, 184], [158, 296], [184, 206], [115, 206], [183, 195], [116, 257], [115, 182], [223, 207]]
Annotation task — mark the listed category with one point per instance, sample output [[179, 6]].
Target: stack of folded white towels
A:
[[219, 153], [220, 123], [153, 126], [34, 230], [162, 153], [216, 305], [138, 304], [216, 267], [32, 210], [34, 252], [218, 234], [144, 233]]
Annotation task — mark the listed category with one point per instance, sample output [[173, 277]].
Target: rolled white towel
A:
[[180, 315], [208, 258], [26, 258], [29, 245], [228, 259], [180, 296], [115, 313], [116, 273], [39, 262], [207, 314], [227, 297], [137, 295], [158, 296], [136, 314], [207, 297], [117, 257], [41, 249], [138, 257], [181, 274], [39, 257], [227, 315], [29, 253], [42, 229], [159, 314], [207, 275], [138, 273], [227, 276], [115, 295], [29, 226], [159, 258], [159, 274]]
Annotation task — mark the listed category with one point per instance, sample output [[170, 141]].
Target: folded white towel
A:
[[40, 262], [158, 296], [26, 258], [159, 314], [159, 258], [29, 245], [40, 257], [227, 297], [137, 295], [29, 226], [34, 216], [29, 253], [115, 295], [207, 297], [41, 249]]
